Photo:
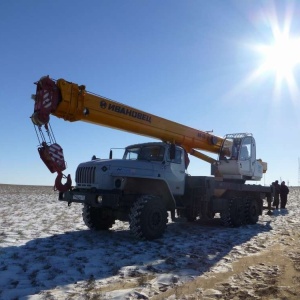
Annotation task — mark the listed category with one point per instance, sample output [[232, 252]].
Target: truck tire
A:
[[251, 211], [96, 219], [190, 214], [237, 212], [148, 217], [234, 215], [208, 215]]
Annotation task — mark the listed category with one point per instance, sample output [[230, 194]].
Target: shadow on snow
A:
[[187, 249]]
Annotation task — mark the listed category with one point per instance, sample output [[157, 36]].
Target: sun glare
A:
[[281, 57], [278, 57]]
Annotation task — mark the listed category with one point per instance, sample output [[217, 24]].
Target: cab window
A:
[[245, 150], [131, 153], [152, 153], [177, 159]]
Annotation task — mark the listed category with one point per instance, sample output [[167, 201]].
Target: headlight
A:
[[99, 199]]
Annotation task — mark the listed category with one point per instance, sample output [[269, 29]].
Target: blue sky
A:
[[193, 62]]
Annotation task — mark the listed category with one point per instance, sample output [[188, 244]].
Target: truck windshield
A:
[[236, 148], [230, 149], [132, 153], [149, 153]]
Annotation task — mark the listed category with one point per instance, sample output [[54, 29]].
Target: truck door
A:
[[175, 172], [246, 156]]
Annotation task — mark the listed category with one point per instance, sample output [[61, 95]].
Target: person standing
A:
[[276, 193], [284, 190]]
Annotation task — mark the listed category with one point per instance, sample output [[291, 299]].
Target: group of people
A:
[[280, 190]]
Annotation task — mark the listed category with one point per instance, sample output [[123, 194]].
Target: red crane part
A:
[[62, 187], [53, 157], [46, 100]]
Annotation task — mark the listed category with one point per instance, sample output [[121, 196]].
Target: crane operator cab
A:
[[237, 158]]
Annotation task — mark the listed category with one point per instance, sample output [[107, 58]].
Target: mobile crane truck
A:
[[151, 179]]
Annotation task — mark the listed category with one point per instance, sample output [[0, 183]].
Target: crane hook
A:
[[62, 187]]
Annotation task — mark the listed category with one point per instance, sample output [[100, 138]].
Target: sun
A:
[[274, 62], [280, 57]]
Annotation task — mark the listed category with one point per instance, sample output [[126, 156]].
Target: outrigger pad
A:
[[53, 157]]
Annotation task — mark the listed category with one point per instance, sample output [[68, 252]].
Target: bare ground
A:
[[270, 274]]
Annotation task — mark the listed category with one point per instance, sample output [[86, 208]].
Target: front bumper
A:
[[93, 198]]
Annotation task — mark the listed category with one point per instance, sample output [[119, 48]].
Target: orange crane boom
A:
[[72, 102]]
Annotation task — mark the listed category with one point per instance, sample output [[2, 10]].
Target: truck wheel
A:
[[233, 215], [237, 211], [251, 211], [209, 215], [190, 215], [148, 217], [225, 218], [95, 218]]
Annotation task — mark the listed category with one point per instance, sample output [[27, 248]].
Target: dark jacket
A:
[[284, 190], [276, 188]]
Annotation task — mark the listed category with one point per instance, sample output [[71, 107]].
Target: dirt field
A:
[[270, 274]]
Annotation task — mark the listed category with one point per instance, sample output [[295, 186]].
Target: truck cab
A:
[[167, 165], [147, 161], [237, 158], [156, 168], [148, 174]]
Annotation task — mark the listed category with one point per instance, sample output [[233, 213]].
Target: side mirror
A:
[[110, 154], [172, 151]]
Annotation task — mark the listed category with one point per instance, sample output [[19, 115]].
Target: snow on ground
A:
[[46, 251]]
